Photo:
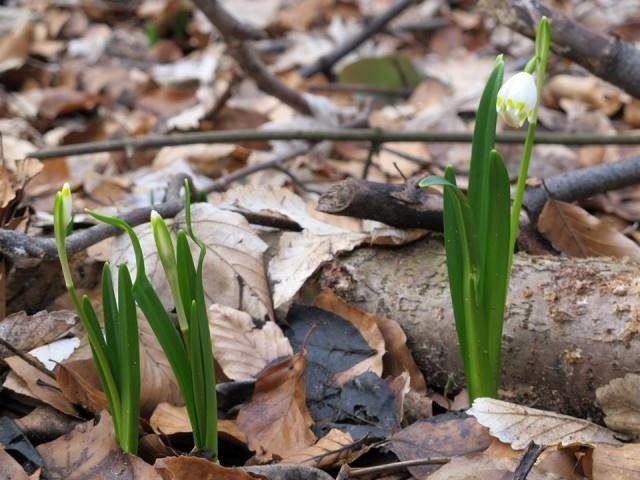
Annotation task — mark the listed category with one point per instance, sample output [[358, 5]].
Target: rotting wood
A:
[[571, 326]]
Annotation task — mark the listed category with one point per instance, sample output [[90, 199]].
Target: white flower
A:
[[517, 99], [65, 196]]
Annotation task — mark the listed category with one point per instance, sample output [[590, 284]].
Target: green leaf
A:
[[494, 276], [483, 142], [129, 351], [391, 71], [111, 328]]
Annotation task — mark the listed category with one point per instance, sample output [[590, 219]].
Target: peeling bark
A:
[[571, 324]]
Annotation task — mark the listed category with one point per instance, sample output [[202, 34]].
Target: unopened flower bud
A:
[[517, 99]]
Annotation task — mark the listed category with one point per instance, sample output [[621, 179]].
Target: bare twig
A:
[[527, 461], [401, 206], [392, 467], [338, 135], [326, 62], [236, 35], [607, 57]]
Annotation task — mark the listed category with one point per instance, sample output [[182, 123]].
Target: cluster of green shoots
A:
[[481, 228], [116, 352]]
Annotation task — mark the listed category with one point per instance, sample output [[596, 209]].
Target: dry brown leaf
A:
[[169, 419], [11, 470], [330, 451], [620, 402], [591, 90], [90, 451], [368, 328], [276, 420], [518, 425], [14, 48], [50, 103], [577, 233], [80, 384], [438, 437], [480, 467], [241, 348], [188, 468], [38, 385], [26, 332], [300, 254], [616, 463], [208, 159], [304, 14], [632, 113], [234, 273]]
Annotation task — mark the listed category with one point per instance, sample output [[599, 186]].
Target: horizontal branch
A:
[[338, 135]]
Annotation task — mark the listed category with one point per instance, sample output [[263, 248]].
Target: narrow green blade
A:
[[186, 272], [483, 142], [129, 351], [110, 313], [99, 350], [495, 270]]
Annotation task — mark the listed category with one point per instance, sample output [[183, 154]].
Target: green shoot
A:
[[116, 352], [481, 229], [189, 350]]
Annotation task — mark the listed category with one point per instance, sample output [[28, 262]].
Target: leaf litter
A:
[[324, 380]]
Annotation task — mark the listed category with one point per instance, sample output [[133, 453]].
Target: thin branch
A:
[[338, 135], [325, 63], [527, 461], [236, 35], [607, 57], [404, 206], [392, 467]]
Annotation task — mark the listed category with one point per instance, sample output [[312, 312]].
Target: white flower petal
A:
[[517, 99]]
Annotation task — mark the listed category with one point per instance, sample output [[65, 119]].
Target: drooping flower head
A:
[[517, 99]]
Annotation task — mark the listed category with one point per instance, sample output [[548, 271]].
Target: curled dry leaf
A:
[[579, 234], [590, 90], [188, 468], [481, 466], [241, 348], [518, 425], [331, 450], [300, 254], [276, 420], [616, 463], [10, 468], [367, 327], [80, 384], [90, 451], [31, 381], [234, 273], [25, 332], [438, 437], [397, 357], [169, 419], [620, 402]]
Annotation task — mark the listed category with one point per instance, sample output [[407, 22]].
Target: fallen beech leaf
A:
[[367, 327], [90, 451], [276, 420], [448, 435], [234, 273], [241, 348], [518, 425], [188, 468], [26, 332], [14, 48], [397, 358], [331, 450], [80, 384], [579, 234], [39, 385], [616, 463], [620, 402], [169, 419], [11, 470], [481, 467], [300, 254], [50, 103], [591, 90]]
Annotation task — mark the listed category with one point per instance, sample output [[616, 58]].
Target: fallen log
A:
[[571, 325]]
